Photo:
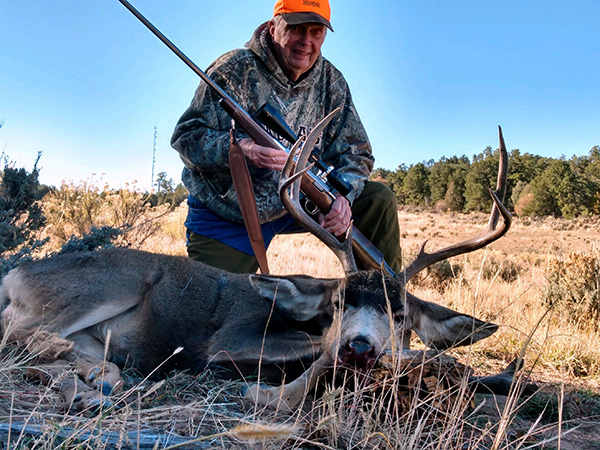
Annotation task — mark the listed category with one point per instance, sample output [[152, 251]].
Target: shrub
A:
[[20, 214], [573, 286], [506, 269], [73, 211], [439, 275], [97, 238]]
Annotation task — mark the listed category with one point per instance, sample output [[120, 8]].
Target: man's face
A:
[[297, 47]]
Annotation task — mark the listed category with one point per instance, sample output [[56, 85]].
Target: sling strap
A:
[[245, 194]]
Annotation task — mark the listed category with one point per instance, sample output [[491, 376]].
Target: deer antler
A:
[[487, 236], [290, 181]]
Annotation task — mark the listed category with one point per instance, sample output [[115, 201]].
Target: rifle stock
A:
[[313, 187]]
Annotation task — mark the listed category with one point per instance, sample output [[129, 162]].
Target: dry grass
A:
[[562, 358]]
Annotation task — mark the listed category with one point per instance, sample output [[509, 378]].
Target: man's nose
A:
[[305, 37]]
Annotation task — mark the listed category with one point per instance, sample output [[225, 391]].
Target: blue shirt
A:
[[202, 221]]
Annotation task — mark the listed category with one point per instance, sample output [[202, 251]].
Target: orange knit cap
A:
[[296, 12]]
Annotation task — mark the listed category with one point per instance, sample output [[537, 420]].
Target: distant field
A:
[[526, 236], [526, 239]]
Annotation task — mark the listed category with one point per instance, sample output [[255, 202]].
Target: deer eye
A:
[[398, 309]]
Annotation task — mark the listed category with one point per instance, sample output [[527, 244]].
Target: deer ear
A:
[[296, 297], [439, 327]]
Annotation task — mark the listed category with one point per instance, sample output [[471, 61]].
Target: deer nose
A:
[[358, 352], [360, 346]]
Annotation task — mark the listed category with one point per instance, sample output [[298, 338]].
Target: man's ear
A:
[[271, 27], [439, 327], [296, 297]]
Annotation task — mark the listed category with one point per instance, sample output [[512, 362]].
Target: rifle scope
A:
[[271, 119]]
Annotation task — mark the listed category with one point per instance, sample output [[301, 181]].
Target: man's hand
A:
[[262, 157], [337, 220]]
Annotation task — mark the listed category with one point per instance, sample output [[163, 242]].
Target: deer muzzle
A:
[[358, 353]]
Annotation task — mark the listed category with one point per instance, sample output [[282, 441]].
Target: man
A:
[[282, 65]]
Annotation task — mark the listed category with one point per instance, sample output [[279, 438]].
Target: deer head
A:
[[370, 299]]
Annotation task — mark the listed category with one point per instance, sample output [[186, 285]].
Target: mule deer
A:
[[100, 310]]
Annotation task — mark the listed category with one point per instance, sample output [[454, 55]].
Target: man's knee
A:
[[376, 196], [382, 192]]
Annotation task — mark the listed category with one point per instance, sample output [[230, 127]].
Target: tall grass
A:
[[505, 283]]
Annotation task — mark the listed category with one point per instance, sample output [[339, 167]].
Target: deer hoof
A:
[[244, 390], [91, 403], [93, 374], [105, 387], [267, 396], [104, 379]]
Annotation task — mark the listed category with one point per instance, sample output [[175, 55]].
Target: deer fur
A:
[[124, 306]]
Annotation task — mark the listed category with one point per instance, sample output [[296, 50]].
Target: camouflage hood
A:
[[253, 77]]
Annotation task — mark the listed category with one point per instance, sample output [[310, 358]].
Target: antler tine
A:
[[289, 176], [488, 235], [290, 181], [501, 181]]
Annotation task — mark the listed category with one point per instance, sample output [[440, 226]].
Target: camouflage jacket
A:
[[253, 77]]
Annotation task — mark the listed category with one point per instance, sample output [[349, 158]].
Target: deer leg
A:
[[55, 356], [97, 373], [79, 397], [46, 347], [405, 339], [88, 357], [47, 373], [287, 396]]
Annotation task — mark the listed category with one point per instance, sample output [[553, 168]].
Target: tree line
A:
[[537, 186]]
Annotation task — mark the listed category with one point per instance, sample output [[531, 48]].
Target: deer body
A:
[[98, 310], [152, 304]]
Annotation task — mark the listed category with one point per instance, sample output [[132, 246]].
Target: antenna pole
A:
[[153, 159]]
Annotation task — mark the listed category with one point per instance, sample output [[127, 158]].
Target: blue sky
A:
[[85, 83]]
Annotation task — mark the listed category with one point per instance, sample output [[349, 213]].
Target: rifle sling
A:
[[245, 194]]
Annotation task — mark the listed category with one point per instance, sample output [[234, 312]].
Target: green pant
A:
[[375, 215]]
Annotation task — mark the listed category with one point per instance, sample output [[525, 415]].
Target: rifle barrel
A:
[[165, 40]]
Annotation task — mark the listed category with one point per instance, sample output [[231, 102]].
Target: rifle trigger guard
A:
[[310, 207]]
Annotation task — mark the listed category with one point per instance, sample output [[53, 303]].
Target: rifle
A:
[[314, 187]]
